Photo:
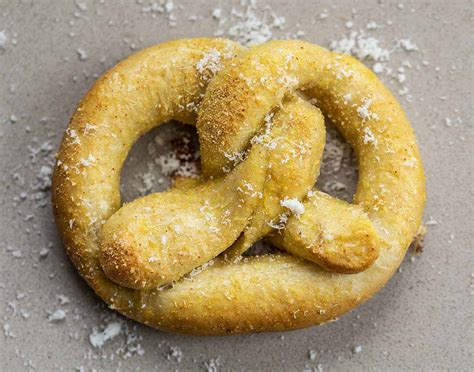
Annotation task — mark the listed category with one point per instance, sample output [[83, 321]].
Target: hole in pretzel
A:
[[338, 175], [158, 158]]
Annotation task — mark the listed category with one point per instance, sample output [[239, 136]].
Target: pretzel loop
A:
[[255, 110]]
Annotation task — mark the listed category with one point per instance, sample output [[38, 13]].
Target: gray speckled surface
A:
[[421, 320]]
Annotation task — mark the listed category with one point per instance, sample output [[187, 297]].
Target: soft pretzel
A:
[[173, 260]]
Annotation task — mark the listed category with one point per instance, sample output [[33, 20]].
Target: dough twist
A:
[[173, 260]]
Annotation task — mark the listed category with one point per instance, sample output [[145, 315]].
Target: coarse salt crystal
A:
[[294, 205], [98, 339], [57, 316]]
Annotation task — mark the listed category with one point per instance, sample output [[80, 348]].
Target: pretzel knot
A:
[[173, 260]]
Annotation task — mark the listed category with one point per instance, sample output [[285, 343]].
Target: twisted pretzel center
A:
[[262, 135]]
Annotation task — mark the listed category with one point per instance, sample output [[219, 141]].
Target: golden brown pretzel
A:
[[254, 110]]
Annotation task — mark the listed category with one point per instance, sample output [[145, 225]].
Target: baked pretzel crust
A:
[[263, 293]]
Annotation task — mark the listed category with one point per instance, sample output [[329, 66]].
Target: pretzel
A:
[[173, 260]]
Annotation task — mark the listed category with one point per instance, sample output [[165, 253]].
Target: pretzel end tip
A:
[[351, 261], [121, 264]]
